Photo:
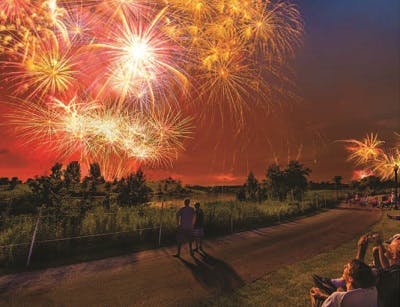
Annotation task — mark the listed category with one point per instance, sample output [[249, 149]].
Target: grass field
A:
[[290, 285], [121, 226]]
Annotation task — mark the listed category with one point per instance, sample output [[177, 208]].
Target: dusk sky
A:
[[347, 76]]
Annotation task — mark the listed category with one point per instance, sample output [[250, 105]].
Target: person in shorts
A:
[[185, 218], [198, 231]]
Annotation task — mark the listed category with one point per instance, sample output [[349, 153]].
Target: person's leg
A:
[[179, 238], [190, 247], [178, 253], [196, 241], [189, 235]]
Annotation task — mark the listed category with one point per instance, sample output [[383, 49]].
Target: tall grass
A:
[[221, 217]]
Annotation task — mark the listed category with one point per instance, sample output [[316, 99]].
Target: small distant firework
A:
[[370, 154], [384, 164], [363, 151]]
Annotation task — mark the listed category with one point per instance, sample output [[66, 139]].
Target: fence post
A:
[[161, 221], [34, 237], [231, 219]]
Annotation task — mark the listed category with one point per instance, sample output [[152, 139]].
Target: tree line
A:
[[66, 190], [278, 183]]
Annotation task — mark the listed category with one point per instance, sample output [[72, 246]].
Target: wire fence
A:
[[161, 229]]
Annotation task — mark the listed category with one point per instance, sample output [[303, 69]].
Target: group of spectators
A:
[[387, 201], [190, 224], [363, 285]]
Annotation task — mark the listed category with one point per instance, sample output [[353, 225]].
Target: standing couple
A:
[[190, 225]]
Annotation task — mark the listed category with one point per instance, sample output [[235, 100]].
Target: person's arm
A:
[[194, 219], [318, 293], [383, 260], [316, 297], [362, 245]]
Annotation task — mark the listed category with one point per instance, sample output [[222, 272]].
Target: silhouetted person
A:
[[185, 218], [198, 231]]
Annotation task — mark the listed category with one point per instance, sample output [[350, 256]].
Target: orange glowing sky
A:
[[347, 76]]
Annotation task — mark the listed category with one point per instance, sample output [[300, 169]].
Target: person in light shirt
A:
[[360, 285]]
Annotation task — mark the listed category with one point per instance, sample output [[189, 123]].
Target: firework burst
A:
[[99, 133], [384, 164], [143, 62], [366, 150], [370, 154], [45, 69]]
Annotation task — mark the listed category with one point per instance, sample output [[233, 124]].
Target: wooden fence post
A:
[[231, 219], [161, 221], [34, 237]]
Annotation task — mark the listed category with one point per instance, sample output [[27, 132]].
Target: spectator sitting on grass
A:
[[386, 266], [360, 284], [389, 274]]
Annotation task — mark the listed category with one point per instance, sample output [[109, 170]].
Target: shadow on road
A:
[[213, 274]]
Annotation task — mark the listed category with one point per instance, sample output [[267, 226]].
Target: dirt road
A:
[[155, 278]]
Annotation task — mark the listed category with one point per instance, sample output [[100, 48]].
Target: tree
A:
[[261, 193], [56, 172], [45, 193], [4, 181], [296, 179], [13, 182], [251, 187], [370, 184], [133, 190], [95, 173], [338, 182], [276, 182], [72, 174], [241, 194]]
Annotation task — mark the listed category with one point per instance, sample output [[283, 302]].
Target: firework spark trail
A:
[[142, 61]]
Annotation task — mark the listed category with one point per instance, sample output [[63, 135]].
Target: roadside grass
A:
[[136, 228], [289, 286]]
